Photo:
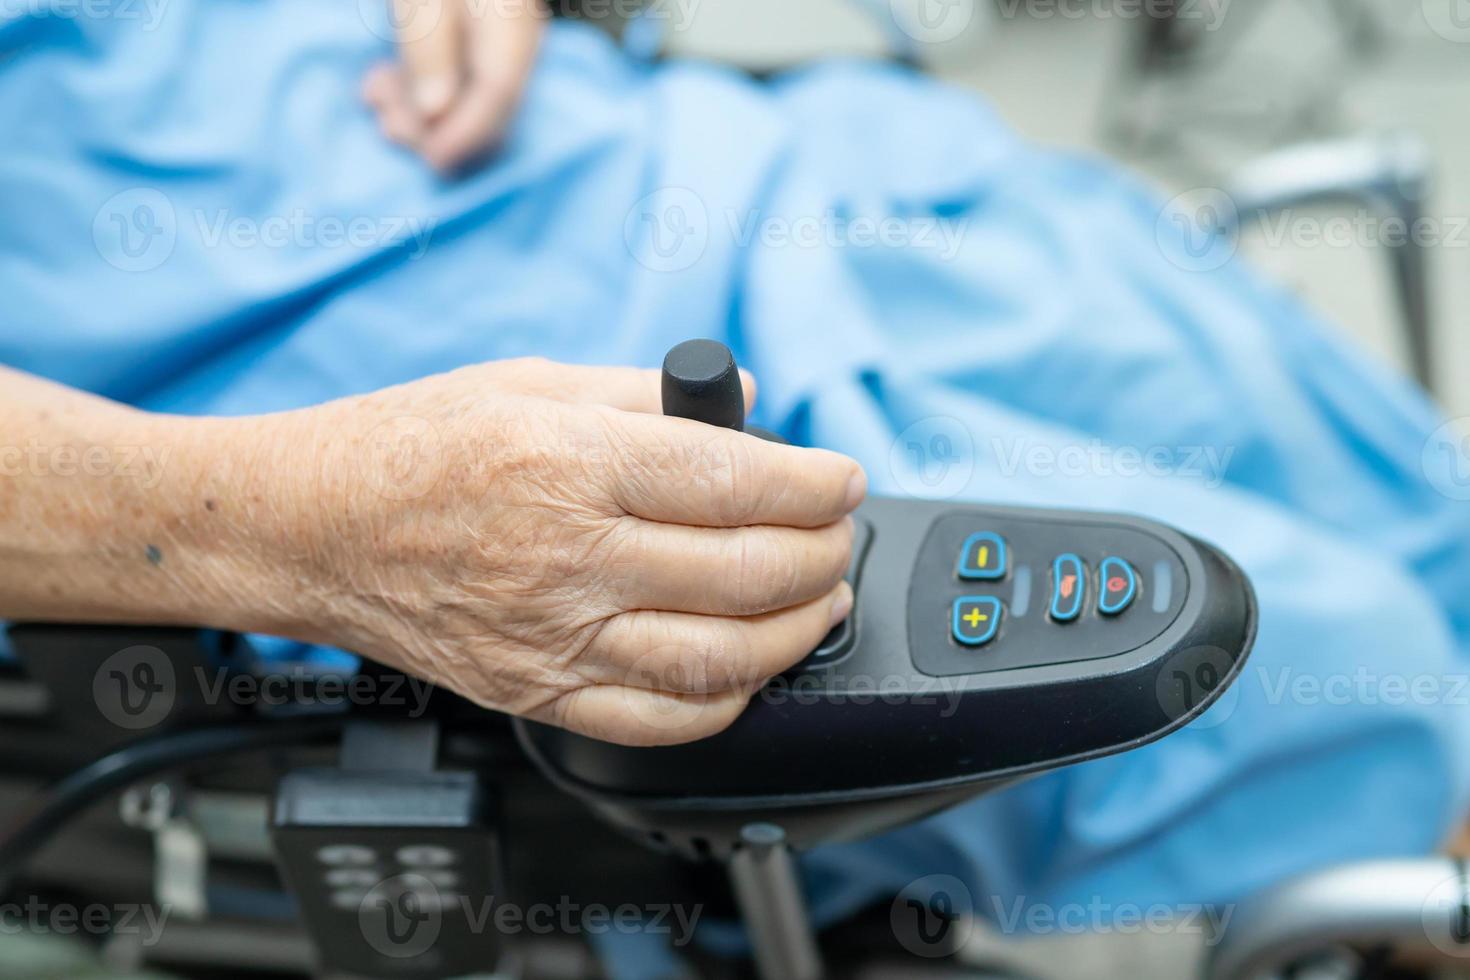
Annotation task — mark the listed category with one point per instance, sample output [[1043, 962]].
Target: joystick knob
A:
[[701, 382]]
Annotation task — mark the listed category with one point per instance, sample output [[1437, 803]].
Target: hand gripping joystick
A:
[[986, 644]]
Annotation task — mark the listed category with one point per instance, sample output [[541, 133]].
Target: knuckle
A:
[[737, 479], [723, 658], [756, 575]]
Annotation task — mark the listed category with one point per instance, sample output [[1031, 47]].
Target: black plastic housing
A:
[[852, 745]]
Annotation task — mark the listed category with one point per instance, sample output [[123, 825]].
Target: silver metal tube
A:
[[1419, 907], [768, 891]]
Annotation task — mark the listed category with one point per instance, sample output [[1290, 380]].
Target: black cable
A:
[[57, 806]]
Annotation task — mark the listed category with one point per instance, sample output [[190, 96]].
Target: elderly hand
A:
[[462, 69], [534, 536]]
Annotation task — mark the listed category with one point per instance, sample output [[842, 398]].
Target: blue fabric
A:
[[1063, 315]]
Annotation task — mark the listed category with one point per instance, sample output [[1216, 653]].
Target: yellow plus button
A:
[[976, 620]]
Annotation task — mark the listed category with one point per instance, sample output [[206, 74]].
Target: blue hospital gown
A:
[[200, 217]]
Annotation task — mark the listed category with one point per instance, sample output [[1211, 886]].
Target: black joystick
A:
[[702, 382]]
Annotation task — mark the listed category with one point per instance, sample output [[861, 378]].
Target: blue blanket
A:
[[199, 216]]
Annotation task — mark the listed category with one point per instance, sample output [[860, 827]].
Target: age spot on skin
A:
[[155, 557], [209, 505]]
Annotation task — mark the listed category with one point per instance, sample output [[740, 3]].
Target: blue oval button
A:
[[1119, 586], [983, 557], [976, 619], [1068, 585]]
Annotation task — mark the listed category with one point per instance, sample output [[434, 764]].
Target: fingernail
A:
[[432, 94], [857, 489], [841, 606]]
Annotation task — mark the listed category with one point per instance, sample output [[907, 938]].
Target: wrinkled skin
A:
[[537, 538], [531, 535]]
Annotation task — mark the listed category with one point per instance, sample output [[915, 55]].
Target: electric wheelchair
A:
[[328, 820]]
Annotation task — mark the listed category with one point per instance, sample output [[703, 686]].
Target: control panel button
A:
[[976, 620], [1119, 584], [1068, 587], [983, 558]]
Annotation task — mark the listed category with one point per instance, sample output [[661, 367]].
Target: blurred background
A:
[[1327, 139], [1324, 139], [1335, 127]]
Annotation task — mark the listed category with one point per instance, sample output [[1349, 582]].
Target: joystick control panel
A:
[[985, 644]]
